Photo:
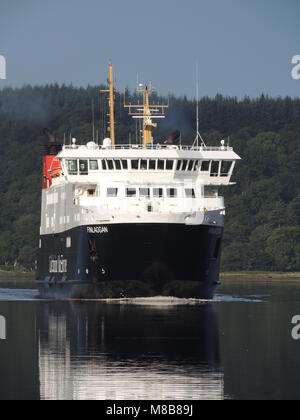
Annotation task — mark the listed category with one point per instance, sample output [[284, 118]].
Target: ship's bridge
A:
[[156, 163]]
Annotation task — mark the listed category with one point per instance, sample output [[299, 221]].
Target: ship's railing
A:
[[161, 147]]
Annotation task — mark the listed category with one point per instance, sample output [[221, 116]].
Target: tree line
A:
[[263, 209]]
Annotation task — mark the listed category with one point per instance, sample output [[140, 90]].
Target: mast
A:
[[146, 113], [111, 103], [198, 135]]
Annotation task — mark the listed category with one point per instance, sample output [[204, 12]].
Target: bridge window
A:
[[135, 165], [112, 192], [145, 192], [170, 165], [131, 192], [196, 166], [225, 167], [83, 167], [110, 164], [179, 165], [185, 165], [190, 166], [144, 165], [94, 165], [72, 166], [152, 165], [190, 193], [124, 164], [158, 192], [161, 165], [172, 192], [205, 165], [118, 164], [214, 170]]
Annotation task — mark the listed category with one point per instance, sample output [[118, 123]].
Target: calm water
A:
[[238, 347]]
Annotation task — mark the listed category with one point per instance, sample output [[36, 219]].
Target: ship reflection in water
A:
[[94, 350]]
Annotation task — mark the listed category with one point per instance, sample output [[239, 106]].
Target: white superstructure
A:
[[123, 184]]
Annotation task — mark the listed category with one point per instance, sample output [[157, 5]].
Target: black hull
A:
[[130, 260]]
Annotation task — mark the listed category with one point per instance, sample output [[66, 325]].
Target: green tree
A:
[[283, 247], [27, 257]]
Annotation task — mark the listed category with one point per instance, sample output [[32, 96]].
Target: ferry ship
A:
[[132, 220]]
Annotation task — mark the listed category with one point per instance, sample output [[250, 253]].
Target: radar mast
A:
[[147, 112]]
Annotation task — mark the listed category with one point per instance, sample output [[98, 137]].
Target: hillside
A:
[[263, 209]]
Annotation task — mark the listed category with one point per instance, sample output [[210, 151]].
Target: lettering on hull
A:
[[58, 264], [97, 229]]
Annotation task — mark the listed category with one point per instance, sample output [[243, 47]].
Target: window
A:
[[152, 165], [179, 165], [144, 165], [170, 165], [205, 165], [104, 165], [110, 164], [83, 167], [112, 192], [210, 192], [124, 164], [161, 165], [145, 192], [184, 165], [72, 166], [135, 165], [158, 192], [197, 166], [94, 165], [172, 193], [225, 167], [118, 165], [68, 242], [214, 170], [91, 192], [190, 165], [131, 192], [190, 193]]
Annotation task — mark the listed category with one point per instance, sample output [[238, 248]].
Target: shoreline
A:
[[225, 276], [16, 275], [259, 276]]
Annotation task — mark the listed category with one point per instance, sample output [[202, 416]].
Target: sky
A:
[[243, 47]]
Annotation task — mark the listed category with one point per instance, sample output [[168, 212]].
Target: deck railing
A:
[[159, 147]]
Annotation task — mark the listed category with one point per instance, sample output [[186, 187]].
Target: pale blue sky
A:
[[243, 46]]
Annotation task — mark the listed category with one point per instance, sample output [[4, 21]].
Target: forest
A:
[[262, 230]]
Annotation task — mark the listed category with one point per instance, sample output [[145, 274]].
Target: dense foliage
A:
[[263, 209]]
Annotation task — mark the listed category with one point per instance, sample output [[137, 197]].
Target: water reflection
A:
[[95, 350]]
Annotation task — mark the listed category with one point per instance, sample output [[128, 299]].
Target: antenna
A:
[[93, 119], [198, 135], [145, 113]]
